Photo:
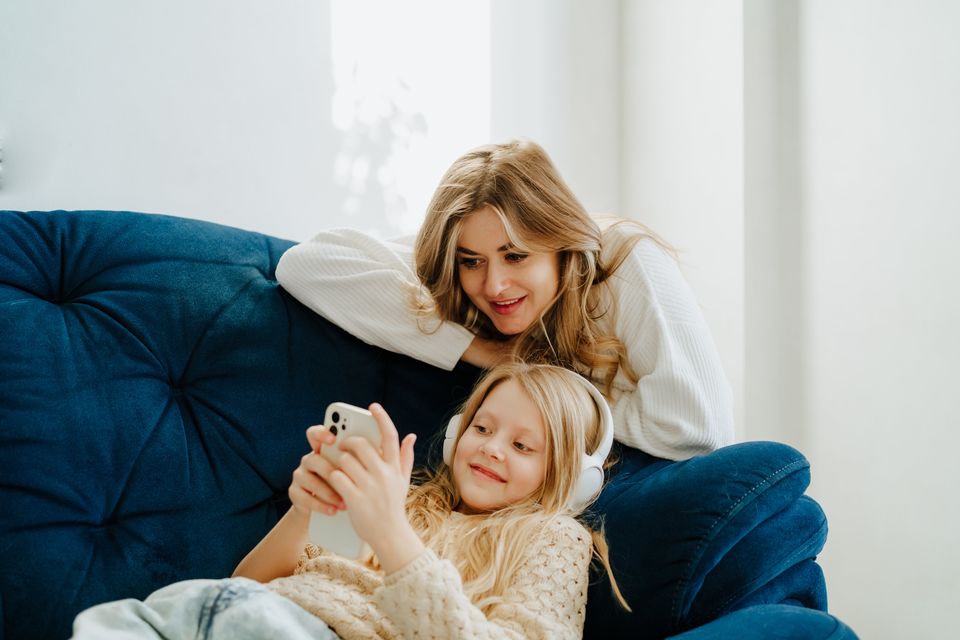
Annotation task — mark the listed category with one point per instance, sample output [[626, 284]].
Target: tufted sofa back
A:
[[155, 384]]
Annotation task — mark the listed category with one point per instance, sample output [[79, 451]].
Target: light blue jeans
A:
[[233, 608]]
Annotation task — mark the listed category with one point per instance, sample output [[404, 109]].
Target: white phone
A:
[[335, 533]]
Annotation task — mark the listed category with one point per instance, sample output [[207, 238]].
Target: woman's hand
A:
[[309, 491], [374, 486], [487, 354]]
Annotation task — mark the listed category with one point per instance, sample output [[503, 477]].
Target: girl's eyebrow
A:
[[471, 252]]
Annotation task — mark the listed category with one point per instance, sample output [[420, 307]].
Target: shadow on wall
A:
[[375, 130]]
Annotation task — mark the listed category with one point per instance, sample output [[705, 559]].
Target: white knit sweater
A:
[[682, 404], [546, 598]]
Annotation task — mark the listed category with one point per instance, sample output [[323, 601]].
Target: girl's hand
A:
[[487, 354], [308, 490], [374, 486]]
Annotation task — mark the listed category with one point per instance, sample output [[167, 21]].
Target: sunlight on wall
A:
[[408, 99]]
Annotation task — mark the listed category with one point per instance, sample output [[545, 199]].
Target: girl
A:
[[486, 547]]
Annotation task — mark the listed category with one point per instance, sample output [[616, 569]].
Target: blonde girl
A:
[[487, 546]]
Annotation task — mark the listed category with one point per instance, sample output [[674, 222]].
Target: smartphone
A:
[[335, 533]]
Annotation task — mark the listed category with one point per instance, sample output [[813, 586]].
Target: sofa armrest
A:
[[693, 540]]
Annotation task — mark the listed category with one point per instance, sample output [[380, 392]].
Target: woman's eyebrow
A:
[[471, 252]]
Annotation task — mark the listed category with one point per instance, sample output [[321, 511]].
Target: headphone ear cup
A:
[[590, 480], [588, 484], [450, 438]]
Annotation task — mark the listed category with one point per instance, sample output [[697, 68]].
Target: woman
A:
[[508, 261], [508, 264]]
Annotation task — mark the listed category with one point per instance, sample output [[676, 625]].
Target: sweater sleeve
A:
[[366, 287], [682, 405], [546, 599]]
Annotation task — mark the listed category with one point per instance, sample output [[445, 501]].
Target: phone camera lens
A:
[[333, 429], [335, 416]]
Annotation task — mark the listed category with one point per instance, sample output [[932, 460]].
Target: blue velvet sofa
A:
[[155, 385]]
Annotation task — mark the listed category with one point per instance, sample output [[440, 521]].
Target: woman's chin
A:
[[511, 329]]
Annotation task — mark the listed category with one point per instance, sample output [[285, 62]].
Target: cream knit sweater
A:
[[545, 600], [682, 405]]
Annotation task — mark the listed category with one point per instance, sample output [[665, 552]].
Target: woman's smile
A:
[[506, 307]]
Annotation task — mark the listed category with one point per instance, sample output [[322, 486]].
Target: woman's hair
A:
[[539, 213], [489, 548]]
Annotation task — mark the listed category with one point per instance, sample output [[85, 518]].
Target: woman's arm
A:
[[682, 405], [367, 287], [546, 598]]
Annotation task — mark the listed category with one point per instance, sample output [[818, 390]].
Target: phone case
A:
[[335, 533]]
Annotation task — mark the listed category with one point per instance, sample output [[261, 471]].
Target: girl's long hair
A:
[[539, 213], [489, 548]]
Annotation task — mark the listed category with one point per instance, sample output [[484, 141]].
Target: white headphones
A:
[[590, 480]]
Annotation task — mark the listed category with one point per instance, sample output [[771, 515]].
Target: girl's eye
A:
[[469, 263], [480, 428], [516, 257], [521, 447]]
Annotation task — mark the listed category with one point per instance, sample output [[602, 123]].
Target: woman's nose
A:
[[496, 282]]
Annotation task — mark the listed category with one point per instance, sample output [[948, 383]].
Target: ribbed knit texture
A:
[[682, 405], [546, 598]]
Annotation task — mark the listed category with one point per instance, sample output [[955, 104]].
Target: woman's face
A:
[[501, 456], [510, 287]]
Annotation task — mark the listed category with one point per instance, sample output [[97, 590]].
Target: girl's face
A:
[[510, 287], [501, 456]]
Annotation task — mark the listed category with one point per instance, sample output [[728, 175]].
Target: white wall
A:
[[217, 110], [845, 216], [774, 237], [556, 80], [268, 116], [880, 98], [682, 150]]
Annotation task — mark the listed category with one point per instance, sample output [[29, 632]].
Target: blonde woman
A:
[[508, 263], [488, 546]]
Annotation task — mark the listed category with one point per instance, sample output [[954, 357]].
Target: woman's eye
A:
[[516, 257], [469, 263]]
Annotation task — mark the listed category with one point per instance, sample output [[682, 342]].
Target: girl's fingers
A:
[[303, 499], [318, 436], [312, 476], [406, 455], [343, 484], [389, 439], [362, 450], [353, 469]]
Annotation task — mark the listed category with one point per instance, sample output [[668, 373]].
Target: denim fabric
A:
[[231, 609], [772, 622], [693, 540]]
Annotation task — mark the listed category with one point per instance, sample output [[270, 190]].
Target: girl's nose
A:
[[492, 450]]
